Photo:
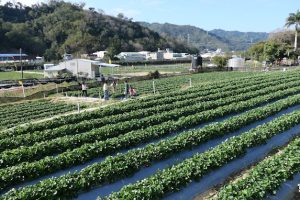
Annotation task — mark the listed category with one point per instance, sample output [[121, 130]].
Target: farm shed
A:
[[78, 67], [54, 71]]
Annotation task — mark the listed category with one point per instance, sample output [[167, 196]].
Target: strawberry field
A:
[[163, 85], [230, 136], [20, 113]]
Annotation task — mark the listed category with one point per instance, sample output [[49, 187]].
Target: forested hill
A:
[[53, 28], [202, 39], [240, 40]]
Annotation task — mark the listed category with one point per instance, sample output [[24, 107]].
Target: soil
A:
[[297, 195]]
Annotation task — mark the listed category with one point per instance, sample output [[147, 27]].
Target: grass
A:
[[18, 92], [17, 75]]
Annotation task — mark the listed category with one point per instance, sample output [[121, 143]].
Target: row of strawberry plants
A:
[[144, 88], [16, 113], [189, 99], [7, 108], [162, 85], [123, 165], [174, 178], [110, 131], [221, 82], [39, 150], [119, 109], [20, 118], [129, 106], [266, 176], [91, 124]]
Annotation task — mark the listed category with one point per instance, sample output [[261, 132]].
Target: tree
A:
[[220, 61], [120, 15], [56, 27], [283, 36], [256, 51], [114, 48], [274, 51], [294, 19]]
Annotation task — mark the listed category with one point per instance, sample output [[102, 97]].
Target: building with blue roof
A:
[[12, 57]]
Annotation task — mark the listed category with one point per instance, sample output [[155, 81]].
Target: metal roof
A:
[[55, 68], [11, 54], [108, 65], [93, 62]]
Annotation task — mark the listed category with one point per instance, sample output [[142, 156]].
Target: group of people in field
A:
[[129, 91]]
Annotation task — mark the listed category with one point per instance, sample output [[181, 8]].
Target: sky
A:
[[240, 15]]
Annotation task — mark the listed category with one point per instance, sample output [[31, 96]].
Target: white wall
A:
[[81, 66]]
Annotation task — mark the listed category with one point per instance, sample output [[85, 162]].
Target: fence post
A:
[[78, 107], [154, 91], [23, 89], [190, 82]]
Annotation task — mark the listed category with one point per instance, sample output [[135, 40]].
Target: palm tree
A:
[[294, 19]]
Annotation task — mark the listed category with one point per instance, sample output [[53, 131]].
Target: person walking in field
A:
[[84, 89], [114, 86], [105, 90], [102, 79], [132, 91], [126, 91]]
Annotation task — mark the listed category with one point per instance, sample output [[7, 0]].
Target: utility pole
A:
[[21, 63], [77, 68]]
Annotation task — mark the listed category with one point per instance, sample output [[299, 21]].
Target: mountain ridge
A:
[[203, 39], [57, 27]]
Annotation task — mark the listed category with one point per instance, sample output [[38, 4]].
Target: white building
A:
[[168, 54], [100, 54], [159, 55], [186, 55], [54, 71], [175, 56], [48, 65], [77, 67], [131, 56], [236, 62], [172, 56], [211, 54]]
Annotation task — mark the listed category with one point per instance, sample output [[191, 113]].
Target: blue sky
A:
[[241, 15]]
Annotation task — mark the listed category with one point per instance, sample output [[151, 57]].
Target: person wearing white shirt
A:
[[105, 90], [84, 89]]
